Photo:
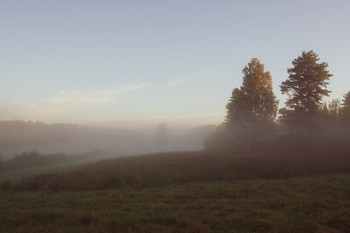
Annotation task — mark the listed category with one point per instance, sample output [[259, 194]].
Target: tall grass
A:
[[273, 161]]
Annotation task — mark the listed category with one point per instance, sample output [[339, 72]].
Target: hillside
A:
[[276, 187], [275, 161]]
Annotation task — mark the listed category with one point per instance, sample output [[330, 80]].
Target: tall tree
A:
[[253, 107], [345, 109], [305, 86]]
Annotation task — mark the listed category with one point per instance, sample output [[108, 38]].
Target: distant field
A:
[[311, 204]]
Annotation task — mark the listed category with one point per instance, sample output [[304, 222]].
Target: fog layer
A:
[[19, 136]]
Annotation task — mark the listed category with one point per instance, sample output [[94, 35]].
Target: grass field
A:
[[156, 170], [309, 204], [273, 188]]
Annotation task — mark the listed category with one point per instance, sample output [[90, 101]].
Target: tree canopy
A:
[[345, 109], [253, 106], [305, 86]]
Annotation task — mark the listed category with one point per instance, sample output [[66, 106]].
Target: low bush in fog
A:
[[32, 159]]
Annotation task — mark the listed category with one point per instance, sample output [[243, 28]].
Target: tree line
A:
[[253, 108]]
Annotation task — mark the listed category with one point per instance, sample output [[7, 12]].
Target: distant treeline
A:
[[18, 136]]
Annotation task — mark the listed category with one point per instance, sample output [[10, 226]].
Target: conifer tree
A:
[[345, 109], [305, 86]]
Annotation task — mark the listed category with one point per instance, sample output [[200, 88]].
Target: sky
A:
[[128, 63]]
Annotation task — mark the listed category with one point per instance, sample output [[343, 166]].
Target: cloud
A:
[[91, 97], [174, 83], [65, 99], [195, 118]]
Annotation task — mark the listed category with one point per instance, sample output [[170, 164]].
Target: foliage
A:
[[345, 110], [329, 114], [305, 86], [221, 137], [252, 108]]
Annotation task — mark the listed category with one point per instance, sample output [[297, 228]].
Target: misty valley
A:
[[20, 136], [174, 116], [278, 183], [251, 173]]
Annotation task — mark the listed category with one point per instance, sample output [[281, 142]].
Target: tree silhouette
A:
[[305, 86], [345, 109], [252, 108], [329, 113]]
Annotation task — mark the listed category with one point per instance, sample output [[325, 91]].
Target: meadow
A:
[[308, 204], [274, 161], [279, 187]]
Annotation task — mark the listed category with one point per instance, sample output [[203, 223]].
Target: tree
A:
[[305, 86], [345, 109], [253, 107], [334, 110], [329, 113]]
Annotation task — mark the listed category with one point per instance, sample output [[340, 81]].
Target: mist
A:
[[17, 137]]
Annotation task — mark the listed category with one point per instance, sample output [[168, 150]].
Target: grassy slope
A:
[[277, 188], [308, 204], [277, 161]]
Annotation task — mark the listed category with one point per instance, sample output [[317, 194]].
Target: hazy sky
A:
[[133, 62]]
